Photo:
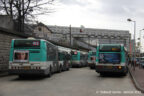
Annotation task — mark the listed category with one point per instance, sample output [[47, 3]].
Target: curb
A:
[[135, 82]]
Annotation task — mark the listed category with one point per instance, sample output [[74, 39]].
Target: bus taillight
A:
[[119, 67], [92, 58]]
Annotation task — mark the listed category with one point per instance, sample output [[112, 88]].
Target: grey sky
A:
[[123, 7], [112, 7], [103, 14]]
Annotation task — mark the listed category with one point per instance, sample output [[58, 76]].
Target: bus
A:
[[111, 58], [34, 57], [91, 59], [78, 58], [141, 62], [64, 57]]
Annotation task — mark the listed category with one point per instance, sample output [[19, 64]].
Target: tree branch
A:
[[11, 7], [29, 1], [5, 7], [49, 2]]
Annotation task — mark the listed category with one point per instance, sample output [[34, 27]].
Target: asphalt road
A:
[[76, 82]]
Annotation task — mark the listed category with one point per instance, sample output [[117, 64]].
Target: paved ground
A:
[[76, 82], [138, 74]]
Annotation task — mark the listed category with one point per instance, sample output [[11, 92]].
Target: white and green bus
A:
[[64, 57], [111, 58], [36, 57], [78, 58]]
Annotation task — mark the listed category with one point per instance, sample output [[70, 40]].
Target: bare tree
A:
[[22, 10]]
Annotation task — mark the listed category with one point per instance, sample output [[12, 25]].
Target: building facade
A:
[[93, 35]]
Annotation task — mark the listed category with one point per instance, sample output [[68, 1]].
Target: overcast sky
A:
[[103, 14]]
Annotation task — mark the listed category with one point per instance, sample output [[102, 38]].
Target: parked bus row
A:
[[78, 58], [40, 57]]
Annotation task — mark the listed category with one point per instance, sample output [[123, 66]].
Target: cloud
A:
[[109, 7], [74, 2], [98, 13], [104, 14]]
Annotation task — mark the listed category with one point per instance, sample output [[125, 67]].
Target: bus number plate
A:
[[26, 67], [109, 67]]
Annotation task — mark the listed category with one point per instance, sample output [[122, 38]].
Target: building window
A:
[[39, 28]]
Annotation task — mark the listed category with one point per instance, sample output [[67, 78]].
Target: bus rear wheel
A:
[[22, 76], [60, 69], [102, 74], [50, 72], [124, 73], [68, 69]]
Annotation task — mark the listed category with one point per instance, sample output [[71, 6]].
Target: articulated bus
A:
[[91, 59], [34, 57], [111, 58], [78, 58]]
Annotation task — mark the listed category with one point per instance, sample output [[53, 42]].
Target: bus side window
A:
[[47, 51], [51, 52]]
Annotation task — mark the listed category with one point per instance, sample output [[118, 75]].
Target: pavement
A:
[[75, 82], [137, 75]]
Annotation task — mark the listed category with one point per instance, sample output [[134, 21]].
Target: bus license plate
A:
[[109, 67], [26, 67]]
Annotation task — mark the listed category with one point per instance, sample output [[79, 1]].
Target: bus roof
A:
[[29, 39], [111, 44], [60, 48]]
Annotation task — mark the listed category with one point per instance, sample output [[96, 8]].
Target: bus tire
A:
[[50, 72], [92, 67], [124, 74], [21, 76], [68, 69], [60, 69], [102, 74], [63, 68]]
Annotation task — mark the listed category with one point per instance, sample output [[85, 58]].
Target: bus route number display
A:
[[35, 43]]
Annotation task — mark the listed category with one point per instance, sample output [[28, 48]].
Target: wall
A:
[[42, 31], [6, 22], [5, 40]]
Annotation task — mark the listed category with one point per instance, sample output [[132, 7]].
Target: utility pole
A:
[[70, 35], [89, 42]]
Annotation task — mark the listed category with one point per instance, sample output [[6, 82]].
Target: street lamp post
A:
[[134, 40], [70, 36]]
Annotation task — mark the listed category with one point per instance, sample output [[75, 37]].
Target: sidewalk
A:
[[137, 76]]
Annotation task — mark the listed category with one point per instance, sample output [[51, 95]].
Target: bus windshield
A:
[[112, 48], [141, 59], [27, 43], [113, 58]]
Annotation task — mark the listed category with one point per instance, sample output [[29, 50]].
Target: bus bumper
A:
[[27, 72], [91, 65], [76, 64], [111, 69]]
